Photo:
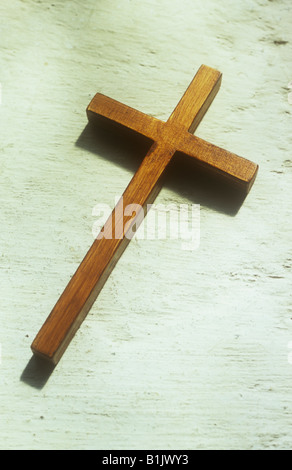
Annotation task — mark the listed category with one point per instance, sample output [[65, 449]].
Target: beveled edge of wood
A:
[[201, 92], [242, 183], [45, 357], [252, 179], [51, 356]]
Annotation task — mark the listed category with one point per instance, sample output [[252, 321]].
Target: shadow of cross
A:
[[174, 135]]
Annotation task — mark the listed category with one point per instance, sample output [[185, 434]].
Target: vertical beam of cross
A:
[[174, 135]]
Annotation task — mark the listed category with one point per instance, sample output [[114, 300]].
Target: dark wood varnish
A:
[[174, 135]]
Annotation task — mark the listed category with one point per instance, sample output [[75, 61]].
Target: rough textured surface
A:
[[183, 349]]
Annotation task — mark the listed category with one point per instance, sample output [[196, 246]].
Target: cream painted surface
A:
[[183, 349]]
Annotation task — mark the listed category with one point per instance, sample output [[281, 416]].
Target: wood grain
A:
[[168, 138]]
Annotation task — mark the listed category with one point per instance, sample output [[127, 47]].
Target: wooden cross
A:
[[174, 135]]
